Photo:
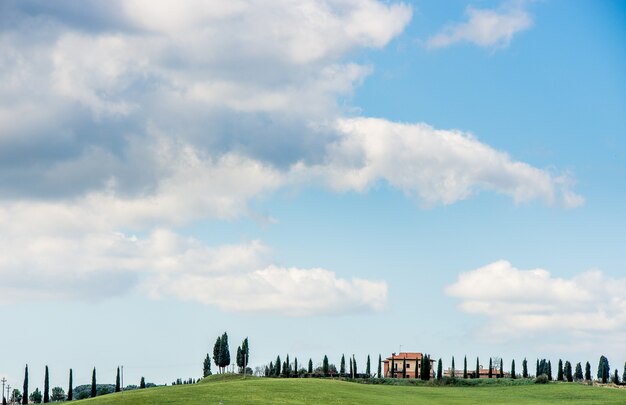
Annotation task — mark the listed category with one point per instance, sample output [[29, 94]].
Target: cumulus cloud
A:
[[521, 303], [485, 27], [436, 166]]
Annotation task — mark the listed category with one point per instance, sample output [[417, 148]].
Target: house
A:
[[411, 360]]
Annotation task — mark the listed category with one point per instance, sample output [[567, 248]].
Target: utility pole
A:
[[3, 381]]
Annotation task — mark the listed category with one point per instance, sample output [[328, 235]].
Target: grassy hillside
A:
[[235, 390]]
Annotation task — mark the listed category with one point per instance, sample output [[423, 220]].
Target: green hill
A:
[[233, 390]]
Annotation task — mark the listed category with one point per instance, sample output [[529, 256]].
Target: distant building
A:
[[413, 361]]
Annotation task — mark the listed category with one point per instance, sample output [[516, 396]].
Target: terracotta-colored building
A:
[[412, 360]]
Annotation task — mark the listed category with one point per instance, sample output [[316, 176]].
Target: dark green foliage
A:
[[46, 386], [206, 367], [310, 370], [549, 370], [567, 372], [325, 366], [624, 374], [16, 396], [537, 370], [588, 371], [501, 375], [541, 379], [368, 369], [239, 359], [286, 367], [142, 383], [245, 350], [513, 369], [616, 377], [35, 396], [578, 374], [351, 370], [477, 368], [392, 370], [295, 366], [216, 352], [404, 367], [439, 370], [70, 389], [425, 369], [380, 362], [453, 369], [224, 352], [465, 367], [603, 370], [58, 394], [117, 381], [490, 368], [93, 384], [277, 367], [355, 370], [559, 373], [25, 387], [342, 365], [524, 368]]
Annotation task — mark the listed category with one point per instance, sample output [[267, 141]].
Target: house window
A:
[[408, 366], [395, 366]]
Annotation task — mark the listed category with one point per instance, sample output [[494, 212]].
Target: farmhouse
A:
[[405, 365]]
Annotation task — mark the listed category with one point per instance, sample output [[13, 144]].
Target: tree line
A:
[[58, 394]]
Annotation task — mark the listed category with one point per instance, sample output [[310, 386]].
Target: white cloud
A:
[[436, 166], [485, 27], [522, 303]]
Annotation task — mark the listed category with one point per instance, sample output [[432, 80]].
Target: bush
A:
[[541, 379]]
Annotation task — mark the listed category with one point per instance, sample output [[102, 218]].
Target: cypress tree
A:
[[537, 373], [578, 374], [277, 366], [325, 367], [549, 370], [524, 368], [603, 369], [588, 371], [117, 381], [439, 370], [25, 387], [513, 369], [404, 367], [239, 358], [624, 375], [453, 371], [490, 368], [206, 367], [616, 377], [295, 366], [559, 373], [355, 370], [351, 371], [216, 353], [380, 361], [310, 370], [477, 368], [465, 367], [501, 369], [70, 389], [142, 383], [342, 365], [567, 370], [270, 370], [46, 387], [245, 349], [93, 383], [224, 352], [368, 370], [393, 371]]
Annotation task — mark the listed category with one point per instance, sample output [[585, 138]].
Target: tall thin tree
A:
[[513, 369], [206, 366], [325, 366], [380, 361], [310, 370], [439, 369], [46, 387], [117, 381], [25, 386], [342, 365], [501, 368], [70, 389], [465, 367], [94, 391], [588, 371], [453, 371], [368, 370], [559, 372], [477, 368], [524, 368], [490, 368], [404, 367]]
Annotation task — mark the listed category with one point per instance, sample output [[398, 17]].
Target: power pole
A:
[[3, 381]]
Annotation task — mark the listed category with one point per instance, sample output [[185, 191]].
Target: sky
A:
[[323, 177]]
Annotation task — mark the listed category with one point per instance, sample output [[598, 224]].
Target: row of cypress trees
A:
[[70, 391]]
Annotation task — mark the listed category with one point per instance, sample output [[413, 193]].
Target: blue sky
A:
[[324, 177]]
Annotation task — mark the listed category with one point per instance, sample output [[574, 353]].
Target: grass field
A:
[[235, 391]]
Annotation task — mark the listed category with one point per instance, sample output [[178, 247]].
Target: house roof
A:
[[405, 355]]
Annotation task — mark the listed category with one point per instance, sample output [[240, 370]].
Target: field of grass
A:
[[235, 390]]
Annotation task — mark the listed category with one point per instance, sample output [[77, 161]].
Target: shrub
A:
[[541, 379]]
